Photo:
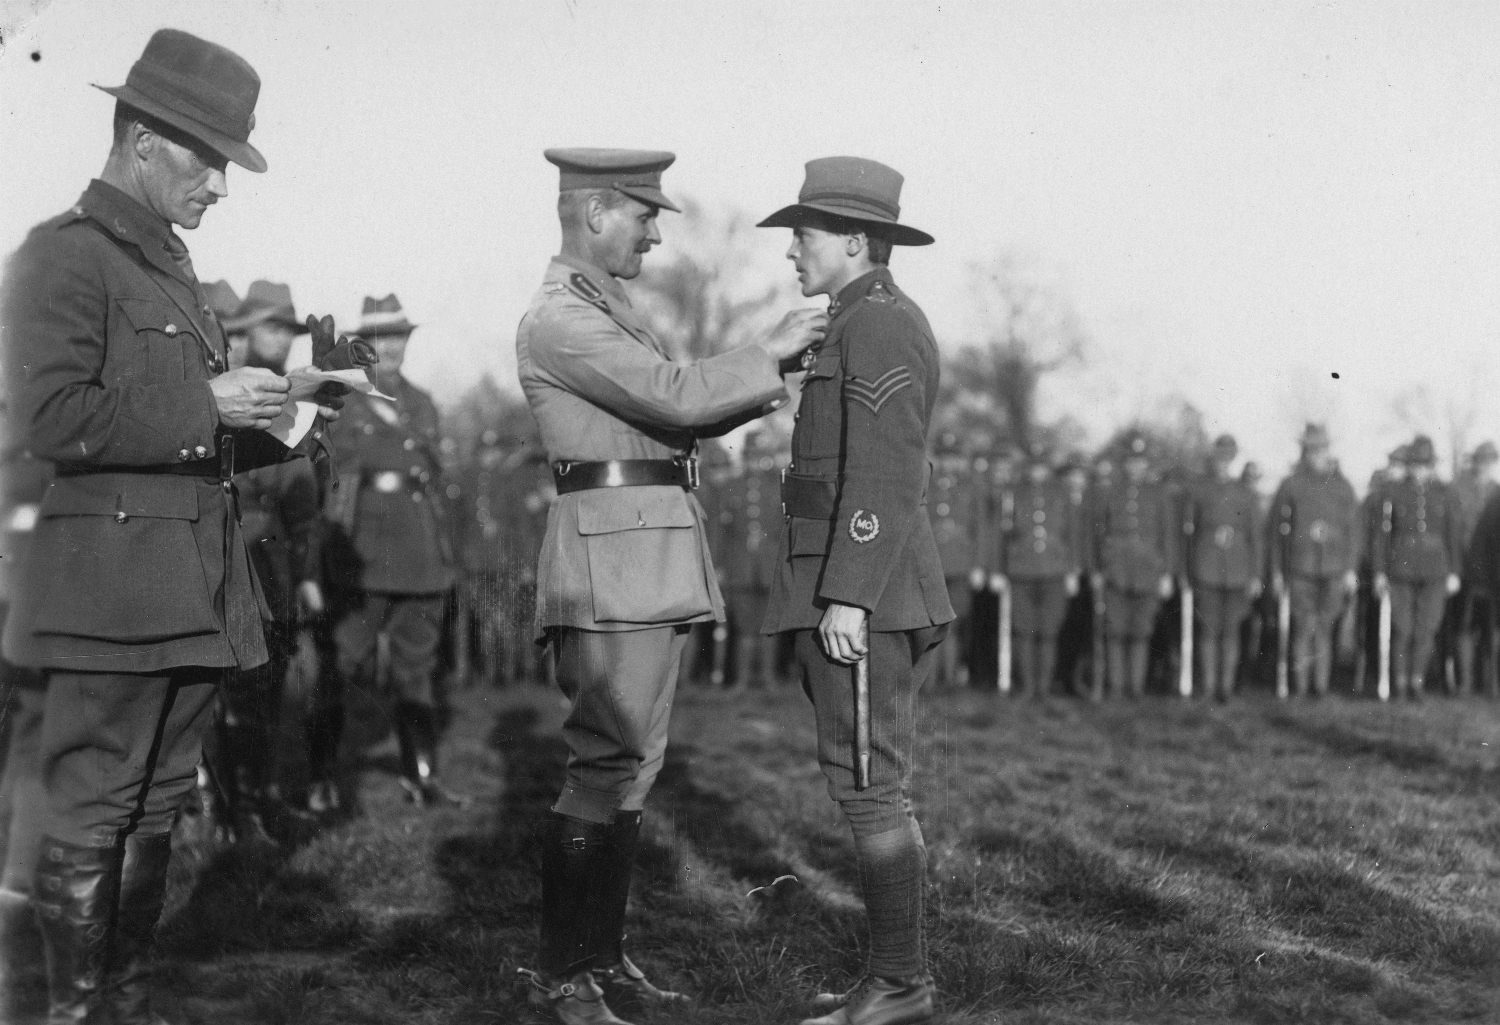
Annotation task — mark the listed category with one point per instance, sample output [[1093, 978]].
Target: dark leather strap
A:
[[624, 473], [808, 498]]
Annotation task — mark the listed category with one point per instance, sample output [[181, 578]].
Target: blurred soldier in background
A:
[[1473, 615], [752, 536], [505, 492], [1077, 627], [955, 504], [23, 693], [1482, 568], [1223, 533], [708, 654], [1314, 545], [1133, 552], [1038, 560], [388, 564], [278, 508], [1417, 557]]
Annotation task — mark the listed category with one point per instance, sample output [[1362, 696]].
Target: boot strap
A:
[[554, 993]]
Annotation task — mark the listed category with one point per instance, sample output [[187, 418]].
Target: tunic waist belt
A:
[[812, 498], [625, 473]]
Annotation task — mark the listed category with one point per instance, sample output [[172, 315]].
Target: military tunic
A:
[[623, 571], [1423, 545], [750, 534], [956, 504], [1133, 546], [857, 534], [1224, 537], [1039, 533], [1315, 537]]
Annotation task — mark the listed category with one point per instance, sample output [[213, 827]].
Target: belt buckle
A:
[[692, 469]]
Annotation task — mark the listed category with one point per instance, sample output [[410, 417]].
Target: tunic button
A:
[[369, 428], [184, 456], [416, 496], [200, 452], [1039, 517], [120, 517], [170, 329], [1130, 506], [942, 509], [408, 444]]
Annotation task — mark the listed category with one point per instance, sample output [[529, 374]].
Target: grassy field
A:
[[1145, 862]]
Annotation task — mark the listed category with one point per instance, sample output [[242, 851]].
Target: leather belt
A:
[[625, 473], [206, 469], [808, 498]]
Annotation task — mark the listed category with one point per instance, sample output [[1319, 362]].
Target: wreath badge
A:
[[864, 527]]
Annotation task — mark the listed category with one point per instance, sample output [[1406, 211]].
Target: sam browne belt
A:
[[624, 473]]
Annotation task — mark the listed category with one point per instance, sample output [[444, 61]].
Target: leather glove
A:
[[338, 352]]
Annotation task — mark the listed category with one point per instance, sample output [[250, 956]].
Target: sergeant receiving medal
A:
[[625, 568], [860, 577]]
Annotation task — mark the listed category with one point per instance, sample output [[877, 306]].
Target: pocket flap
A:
[[607, 510], [152, 315], [809, 537], [106, 494]]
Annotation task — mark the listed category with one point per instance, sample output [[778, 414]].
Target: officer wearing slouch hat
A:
[[388, 564], [860, 576], [625, 569], [139, 594]]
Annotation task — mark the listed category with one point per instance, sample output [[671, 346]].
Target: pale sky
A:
[[1241, 199]]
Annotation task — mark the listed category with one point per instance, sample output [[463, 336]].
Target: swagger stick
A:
[[862, 720], [1003, 641], [1185, 674], [1284, 607], [1383, 684]]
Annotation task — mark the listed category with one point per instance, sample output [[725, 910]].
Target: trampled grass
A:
[[1146, 862]]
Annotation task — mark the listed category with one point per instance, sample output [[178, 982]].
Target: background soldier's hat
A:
[[265, 302], [1398, 454], [205, 90], [1420, 452], [855, 189], [1486, 453], [1314, 436], [1226, 445], [635, 172], [222, 300], [1076, 462], [1251, 472], [383, 317]]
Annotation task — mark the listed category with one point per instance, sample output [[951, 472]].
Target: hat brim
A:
[[233, 325], [242, 153], [400, 327], [800, 214], [646, 194]]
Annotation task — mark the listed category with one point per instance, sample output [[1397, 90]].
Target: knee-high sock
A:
[[1322, 661], [1229, 663], [1140, 662], [1208, 663], [1400, 661], [1302, 657], [892, 876], [1046, 663], [1026, 662], [1117, 646]]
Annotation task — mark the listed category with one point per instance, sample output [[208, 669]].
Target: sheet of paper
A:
[[297, 416]]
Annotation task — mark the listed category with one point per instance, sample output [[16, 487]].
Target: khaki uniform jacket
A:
[[1427, 535], [957, 506], [1038, 530], [1315, 526], [1133, 535], [862, 430], [750, 523], [1222, 529], [388, 526], [136, 566], [602, 387]]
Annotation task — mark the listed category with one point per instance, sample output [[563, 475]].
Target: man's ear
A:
[[593, 214], [856, 243], [143, 141]]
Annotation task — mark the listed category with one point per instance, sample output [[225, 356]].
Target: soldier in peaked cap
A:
[[1417, 557], [1221, 525], [625, 569], [388, 563], [1313, 542], [860, 576], [139, 594], [1132, 557]]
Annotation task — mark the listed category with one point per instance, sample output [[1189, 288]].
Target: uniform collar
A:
[[858, 289], [131, 222], [600, 279]]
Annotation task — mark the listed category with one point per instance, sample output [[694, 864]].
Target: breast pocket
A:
[[164, 342], [821, 413]]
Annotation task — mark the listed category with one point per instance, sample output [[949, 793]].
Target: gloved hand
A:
[[338, 352]]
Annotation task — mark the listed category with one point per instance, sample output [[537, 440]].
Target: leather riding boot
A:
[[76, 890], [576, 1000], [143, 889], [416, 729], [575, 861], [620, 979], [878, 1001]]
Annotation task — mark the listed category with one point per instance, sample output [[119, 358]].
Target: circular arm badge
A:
[[864, 526]]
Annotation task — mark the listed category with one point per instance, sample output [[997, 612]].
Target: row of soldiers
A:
[[1080, 572]]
